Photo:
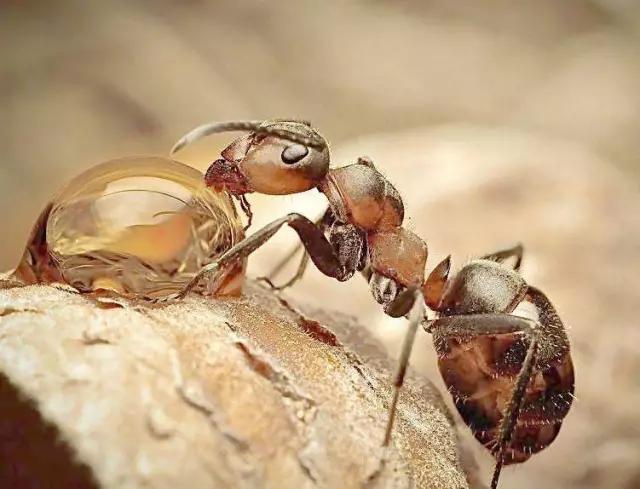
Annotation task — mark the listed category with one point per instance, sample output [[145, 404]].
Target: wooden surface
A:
[[236, 393]]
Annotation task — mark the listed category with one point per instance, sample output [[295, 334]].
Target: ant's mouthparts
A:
[[224, 174]]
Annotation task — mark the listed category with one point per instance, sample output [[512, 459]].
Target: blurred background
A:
[[498, 121]]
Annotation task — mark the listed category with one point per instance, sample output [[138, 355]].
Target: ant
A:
[[511, 377]]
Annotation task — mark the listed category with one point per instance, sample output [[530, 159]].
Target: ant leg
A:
[[548, 317], [320, 250], [366, 161], [501, 255], [302, 267], [246, 208], [282, 263], [490, 324], [515, 403], [411, 299], [325, 220]]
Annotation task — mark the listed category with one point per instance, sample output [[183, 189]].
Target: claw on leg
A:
[[208, 269], [383, 458]]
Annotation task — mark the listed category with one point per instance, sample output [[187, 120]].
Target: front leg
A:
[[320, 250], [323, 222]]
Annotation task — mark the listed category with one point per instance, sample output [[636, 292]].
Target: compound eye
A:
[[294, 153]]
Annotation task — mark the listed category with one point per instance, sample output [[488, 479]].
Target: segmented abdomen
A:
[[480, 373]]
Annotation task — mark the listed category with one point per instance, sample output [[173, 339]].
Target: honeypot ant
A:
[[511, 377]]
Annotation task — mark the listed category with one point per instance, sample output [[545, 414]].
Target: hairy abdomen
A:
[[481, 372]]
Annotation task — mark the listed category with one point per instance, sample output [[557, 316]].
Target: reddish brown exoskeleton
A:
[[511, 377]]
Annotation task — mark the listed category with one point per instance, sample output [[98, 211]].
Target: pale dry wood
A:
[[238, 393]]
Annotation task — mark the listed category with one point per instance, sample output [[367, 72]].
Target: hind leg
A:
[[500, 256], [474, 325]]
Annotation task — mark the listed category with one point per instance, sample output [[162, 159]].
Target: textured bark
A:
[[238, 393]]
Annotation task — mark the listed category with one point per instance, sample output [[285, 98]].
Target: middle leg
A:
[[408, 302]]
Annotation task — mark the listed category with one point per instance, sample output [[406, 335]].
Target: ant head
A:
[[277, 157]]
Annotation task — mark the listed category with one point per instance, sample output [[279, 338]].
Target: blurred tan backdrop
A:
[[536, 102]]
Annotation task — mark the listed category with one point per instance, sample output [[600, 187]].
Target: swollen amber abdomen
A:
[[137, 226], [480, 373]]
